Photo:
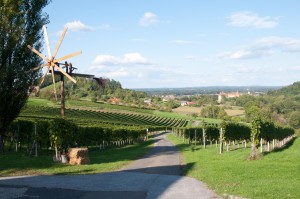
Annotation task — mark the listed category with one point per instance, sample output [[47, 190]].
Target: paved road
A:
[[157, 175], [164, 158]]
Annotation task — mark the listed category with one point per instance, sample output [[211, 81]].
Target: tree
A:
[[255, 134], [62, 134], [294, 120], [213, 112], [21, 22]]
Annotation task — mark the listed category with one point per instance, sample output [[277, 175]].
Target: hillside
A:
[[100, 89], [293, 89]]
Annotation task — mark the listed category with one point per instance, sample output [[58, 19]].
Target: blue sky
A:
[[172, 43]]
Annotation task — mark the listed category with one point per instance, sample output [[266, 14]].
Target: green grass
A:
[[40, 102], [84, 104], [13, 164], [275, 175], [171, 114]]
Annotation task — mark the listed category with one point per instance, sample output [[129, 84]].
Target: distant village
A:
[[221, 96]]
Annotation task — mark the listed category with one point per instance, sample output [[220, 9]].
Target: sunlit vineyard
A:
[[84, 117]]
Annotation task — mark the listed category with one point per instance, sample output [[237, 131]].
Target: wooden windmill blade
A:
[[67, 56], [47, 40], [39, 67], [53, 79], [38, 53], [60, 40]]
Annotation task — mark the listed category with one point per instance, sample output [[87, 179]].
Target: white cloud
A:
[[78, 26], [284, 43], [134, 58], [148, 19], [264, 47], [127, 59], [117, 73], [250, 19], [106, 60]]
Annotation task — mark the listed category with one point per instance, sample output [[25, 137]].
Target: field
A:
[[231, 112], [187, 110], [87, 105], [275, 175]]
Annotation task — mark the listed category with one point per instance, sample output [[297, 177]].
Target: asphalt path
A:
[[164, 158], [157, 175]]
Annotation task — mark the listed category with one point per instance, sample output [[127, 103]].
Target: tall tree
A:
[[21, 22]]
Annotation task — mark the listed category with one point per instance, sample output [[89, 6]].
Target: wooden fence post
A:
[[221, 140]]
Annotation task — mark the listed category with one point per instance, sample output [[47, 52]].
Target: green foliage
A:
[[213, 112], [293, 89], [62, 133], [253, 112], [236, 131], [268, 130], [20, 25], [246, 100], [94, 99], [94, 89], [294, 119], [171, 104]]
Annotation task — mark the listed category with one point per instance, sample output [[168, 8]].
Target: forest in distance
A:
[[206, 90]]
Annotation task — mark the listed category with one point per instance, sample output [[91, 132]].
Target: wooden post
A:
[[261, 143], [62, 95], [221, 140], [195, 137], [227, 145], [204, 143], [147, 134], [35, 133]]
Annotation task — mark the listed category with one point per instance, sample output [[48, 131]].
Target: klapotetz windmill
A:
[[51, 62]]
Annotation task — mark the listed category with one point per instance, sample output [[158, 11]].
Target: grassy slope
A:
[[13, 164], [80, 104], [276, 175]]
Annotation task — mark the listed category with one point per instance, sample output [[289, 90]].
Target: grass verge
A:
[[15, 164], [275, 175]]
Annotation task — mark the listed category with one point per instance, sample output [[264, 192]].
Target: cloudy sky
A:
[[173, 43]]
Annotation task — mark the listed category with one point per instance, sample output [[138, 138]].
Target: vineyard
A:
[[113, 128], [86, 117], [40, 127], [260, 133]]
